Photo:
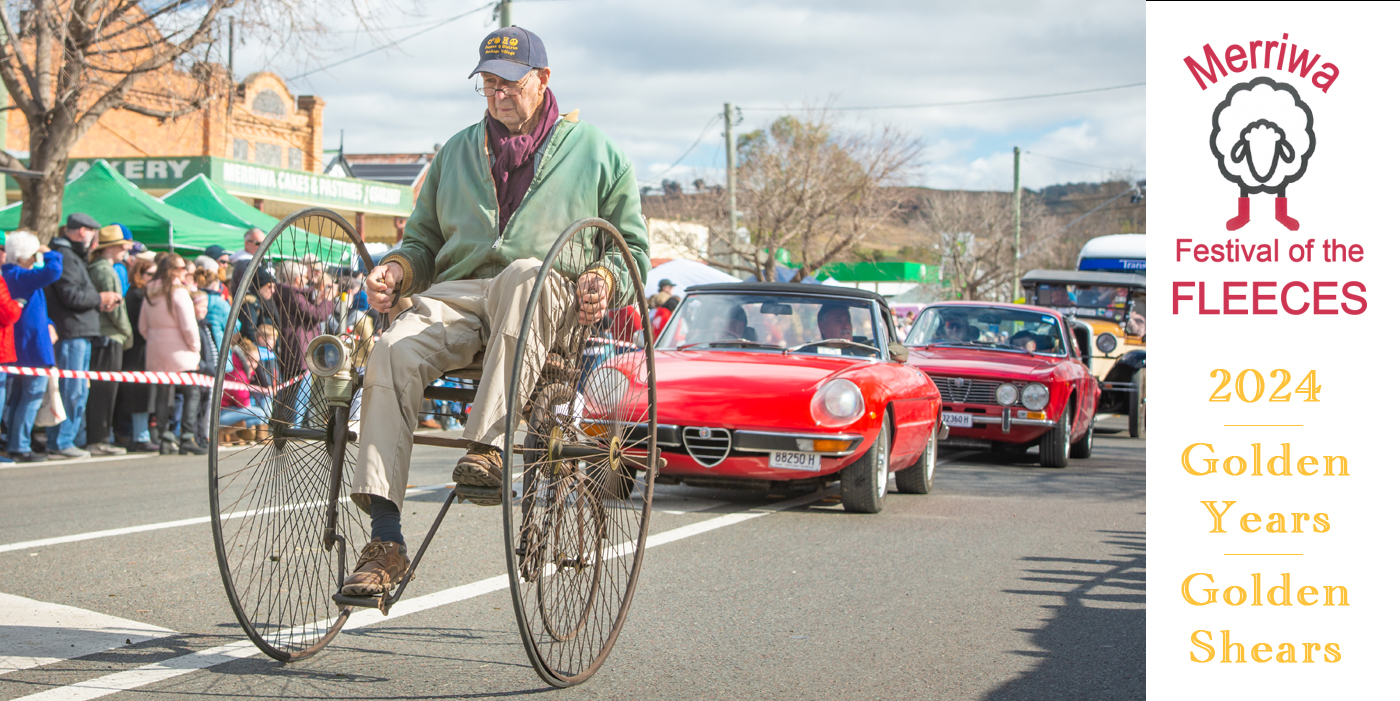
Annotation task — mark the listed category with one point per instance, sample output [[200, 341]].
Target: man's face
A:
[[515, 110], [252, 241], [836, 324], [954, 328], [667, 288], [81, 235]]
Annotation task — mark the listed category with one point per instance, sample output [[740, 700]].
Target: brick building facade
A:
[[266, 124]]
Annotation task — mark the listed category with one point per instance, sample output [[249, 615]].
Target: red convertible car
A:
[[774, 383], [1010, 376]]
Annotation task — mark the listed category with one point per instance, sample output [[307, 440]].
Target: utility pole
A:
[[504, 9], [729, 178], [1016, 218]]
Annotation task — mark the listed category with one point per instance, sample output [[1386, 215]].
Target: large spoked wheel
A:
[[583, 474], [279, 497]]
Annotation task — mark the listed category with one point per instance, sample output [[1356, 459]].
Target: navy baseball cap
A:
[[510, 53]]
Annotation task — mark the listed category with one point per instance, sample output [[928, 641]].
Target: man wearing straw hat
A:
[[114, 336]]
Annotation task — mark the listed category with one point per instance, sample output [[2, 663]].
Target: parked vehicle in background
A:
[[1112, 307], [789, 385], [1116, 253], [1010, 378]]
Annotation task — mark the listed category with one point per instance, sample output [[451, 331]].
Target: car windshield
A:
[[1096, 301], [773, 322], [1013, 330]]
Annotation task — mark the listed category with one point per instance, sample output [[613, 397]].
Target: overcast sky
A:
[[653, 74]]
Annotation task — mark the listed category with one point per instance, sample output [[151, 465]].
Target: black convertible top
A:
[[806, 288]]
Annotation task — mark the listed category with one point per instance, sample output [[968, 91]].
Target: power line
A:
[[1086, 165], [965, 102], [395, 42], [703, 133]]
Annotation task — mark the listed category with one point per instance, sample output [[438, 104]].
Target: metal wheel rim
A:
[[542, 666], [882, 463], [320, 631]]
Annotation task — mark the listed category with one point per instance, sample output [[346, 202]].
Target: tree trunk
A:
[[42, 211]]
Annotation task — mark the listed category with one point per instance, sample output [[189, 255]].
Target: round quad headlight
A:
[[1106, 342], [326, 355], [1035, 396], [605, 389], [1006, 394], [837, 403]]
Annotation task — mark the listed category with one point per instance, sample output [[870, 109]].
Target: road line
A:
[[93, 535], [184, 664], [35, 633]]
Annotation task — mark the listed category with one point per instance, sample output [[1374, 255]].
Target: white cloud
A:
[[653, 74]]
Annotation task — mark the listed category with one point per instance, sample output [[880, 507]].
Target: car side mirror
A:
[[899, 352]]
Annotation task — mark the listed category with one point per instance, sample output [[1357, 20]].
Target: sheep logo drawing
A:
[[1262, 139]]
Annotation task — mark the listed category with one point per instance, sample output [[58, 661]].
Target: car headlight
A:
[[837, 403], [605, 388], [1106, 342], [1035, 396], [1006, 394]]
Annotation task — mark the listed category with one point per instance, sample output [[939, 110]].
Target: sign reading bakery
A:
[[1258, 125]]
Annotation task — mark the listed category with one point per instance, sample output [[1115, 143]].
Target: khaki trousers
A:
[[448, 324]]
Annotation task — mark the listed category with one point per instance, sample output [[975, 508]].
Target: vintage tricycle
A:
[[576, 500]]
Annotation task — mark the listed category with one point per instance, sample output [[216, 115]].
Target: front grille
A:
[[709, 450], [963, 390]]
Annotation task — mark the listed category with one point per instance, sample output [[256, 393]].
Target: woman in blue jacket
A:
[[33, 345]]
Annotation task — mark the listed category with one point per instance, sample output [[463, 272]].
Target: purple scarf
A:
[[515, 156]]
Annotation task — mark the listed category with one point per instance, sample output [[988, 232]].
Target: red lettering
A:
[[1319, 298], [1295, 60], [1201, 252], [1229, 297], [1178, 297], [1180, 249], [1201, 302], [1258, 297], [1234, 54], [1212, 63], [1346, 292], [1283, 298]]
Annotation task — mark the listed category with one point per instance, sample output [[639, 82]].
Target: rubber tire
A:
[[1054, 445], [1137, 411], [865, 481], [1084, 447], [918, 478]]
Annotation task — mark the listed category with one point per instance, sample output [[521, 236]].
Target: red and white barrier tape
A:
[[148, 378]]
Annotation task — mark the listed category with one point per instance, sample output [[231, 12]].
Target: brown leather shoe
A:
[[480, 467], [382, 564]]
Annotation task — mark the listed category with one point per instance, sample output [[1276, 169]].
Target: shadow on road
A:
[[1114, 473], [1094, 645]]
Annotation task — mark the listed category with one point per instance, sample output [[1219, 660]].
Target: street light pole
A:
[[1016, 217], [505, 13], [729, 178]]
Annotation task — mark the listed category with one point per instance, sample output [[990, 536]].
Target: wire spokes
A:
[[270, 495], [584, 479]]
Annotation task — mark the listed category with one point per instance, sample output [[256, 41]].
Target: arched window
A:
[[270, 104]]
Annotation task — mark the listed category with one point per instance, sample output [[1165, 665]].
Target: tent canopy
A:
[[106, 196], [685, 273], [201, 197], [205, 198]]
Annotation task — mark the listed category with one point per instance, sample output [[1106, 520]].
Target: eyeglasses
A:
[[509, 91]]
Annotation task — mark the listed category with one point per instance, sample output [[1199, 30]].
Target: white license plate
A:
[[784, 460], [955, 420]]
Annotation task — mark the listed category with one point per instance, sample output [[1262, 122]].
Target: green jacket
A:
[[114, 324], [453, 232]]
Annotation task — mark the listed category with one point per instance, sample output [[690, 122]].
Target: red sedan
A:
[[764, 383], [1010, 376]]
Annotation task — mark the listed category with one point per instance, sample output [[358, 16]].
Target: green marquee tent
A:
[[204, 198], [106, 196]]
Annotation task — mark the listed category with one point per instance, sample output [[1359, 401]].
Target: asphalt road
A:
[[1010, 581]]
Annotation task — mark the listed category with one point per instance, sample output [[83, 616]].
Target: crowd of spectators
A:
[[94, 299]]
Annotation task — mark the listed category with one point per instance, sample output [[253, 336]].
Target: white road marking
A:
[[75, 461], [184, 664], [34, 633], [92, 535]]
